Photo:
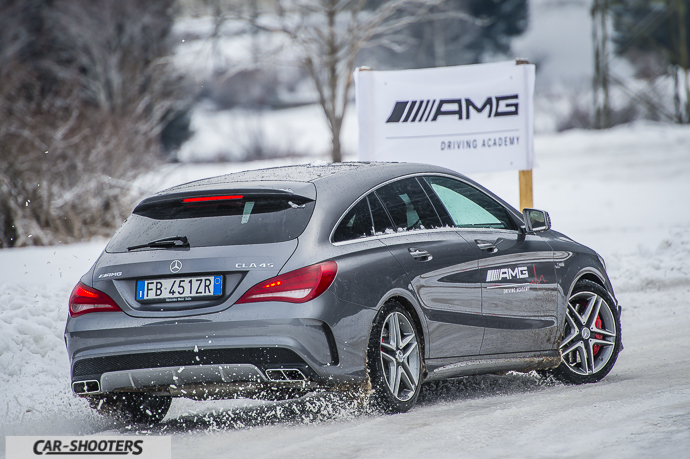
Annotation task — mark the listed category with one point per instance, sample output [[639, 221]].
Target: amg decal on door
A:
[[493, 275]]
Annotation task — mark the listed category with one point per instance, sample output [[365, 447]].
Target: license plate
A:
[[180, 288]]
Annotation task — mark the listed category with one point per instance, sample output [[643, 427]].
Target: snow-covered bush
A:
[[85, 92]]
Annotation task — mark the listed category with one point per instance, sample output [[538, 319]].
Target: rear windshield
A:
[[249, 220]]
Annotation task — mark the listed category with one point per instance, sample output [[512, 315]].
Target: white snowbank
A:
[[35, 284], [229, 135]]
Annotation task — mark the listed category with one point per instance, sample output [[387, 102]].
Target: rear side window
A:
[[408, 205], [469, 207], [245, 220], [356, 224], [366, 218]]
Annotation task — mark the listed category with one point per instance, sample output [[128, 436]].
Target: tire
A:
[[394, 360], [591, 335], [140, 408]]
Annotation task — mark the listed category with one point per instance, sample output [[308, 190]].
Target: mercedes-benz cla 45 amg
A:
[[357, 276]]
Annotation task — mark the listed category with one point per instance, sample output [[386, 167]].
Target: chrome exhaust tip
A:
[[285, 374], [86, 387]]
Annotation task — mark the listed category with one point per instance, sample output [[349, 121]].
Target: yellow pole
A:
[[526, 175], [525, 189]]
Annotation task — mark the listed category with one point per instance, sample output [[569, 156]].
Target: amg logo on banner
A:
[[430, 110], [493, 275]]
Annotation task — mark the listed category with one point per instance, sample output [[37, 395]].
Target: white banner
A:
[[469, 118]]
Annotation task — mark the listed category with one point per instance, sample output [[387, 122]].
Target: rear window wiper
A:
[[167, 243]]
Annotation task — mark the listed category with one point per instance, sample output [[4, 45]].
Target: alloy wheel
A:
[[400, 356], [590, 333]]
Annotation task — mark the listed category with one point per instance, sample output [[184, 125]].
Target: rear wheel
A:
[[394, 360], [591, 336]]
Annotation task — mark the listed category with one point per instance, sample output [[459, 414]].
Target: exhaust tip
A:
[[86, 387], [285, 374]]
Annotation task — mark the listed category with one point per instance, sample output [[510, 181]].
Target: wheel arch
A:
[[410, 304], [586, 273], [590, 275]]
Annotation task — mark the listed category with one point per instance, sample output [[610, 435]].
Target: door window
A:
[[408, 205], [469, 207]]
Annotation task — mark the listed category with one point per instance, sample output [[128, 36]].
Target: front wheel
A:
[[394, 360], [591, 336]]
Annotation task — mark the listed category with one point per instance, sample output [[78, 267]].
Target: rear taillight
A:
[[296, 286], [86, 299]]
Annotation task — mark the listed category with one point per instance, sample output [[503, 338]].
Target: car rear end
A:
[[188, 298]]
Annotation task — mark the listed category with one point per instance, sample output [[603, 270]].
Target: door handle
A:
[[420, 254], [486, 246]]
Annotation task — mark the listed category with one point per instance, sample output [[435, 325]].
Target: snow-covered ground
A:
[[624, 192]]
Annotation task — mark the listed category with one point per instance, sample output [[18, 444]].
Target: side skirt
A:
[[468, 366]]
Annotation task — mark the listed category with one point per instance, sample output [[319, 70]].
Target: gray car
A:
[[376, 277]]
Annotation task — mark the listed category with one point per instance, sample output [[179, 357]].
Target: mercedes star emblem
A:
[[175, 266]]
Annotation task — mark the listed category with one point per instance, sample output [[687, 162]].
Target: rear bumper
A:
[[173, 377], [170, 370], [201, 381], [243, 347]]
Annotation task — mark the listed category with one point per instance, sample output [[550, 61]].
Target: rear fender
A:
[[409, 302]]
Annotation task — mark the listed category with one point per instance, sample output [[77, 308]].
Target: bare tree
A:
[[117, 52]]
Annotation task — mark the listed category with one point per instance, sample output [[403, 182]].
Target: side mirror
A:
[[536, 220]]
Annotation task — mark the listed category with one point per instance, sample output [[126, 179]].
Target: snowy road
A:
[[623, 192]]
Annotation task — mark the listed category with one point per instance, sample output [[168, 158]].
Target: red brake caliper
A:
[[596, 347]]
